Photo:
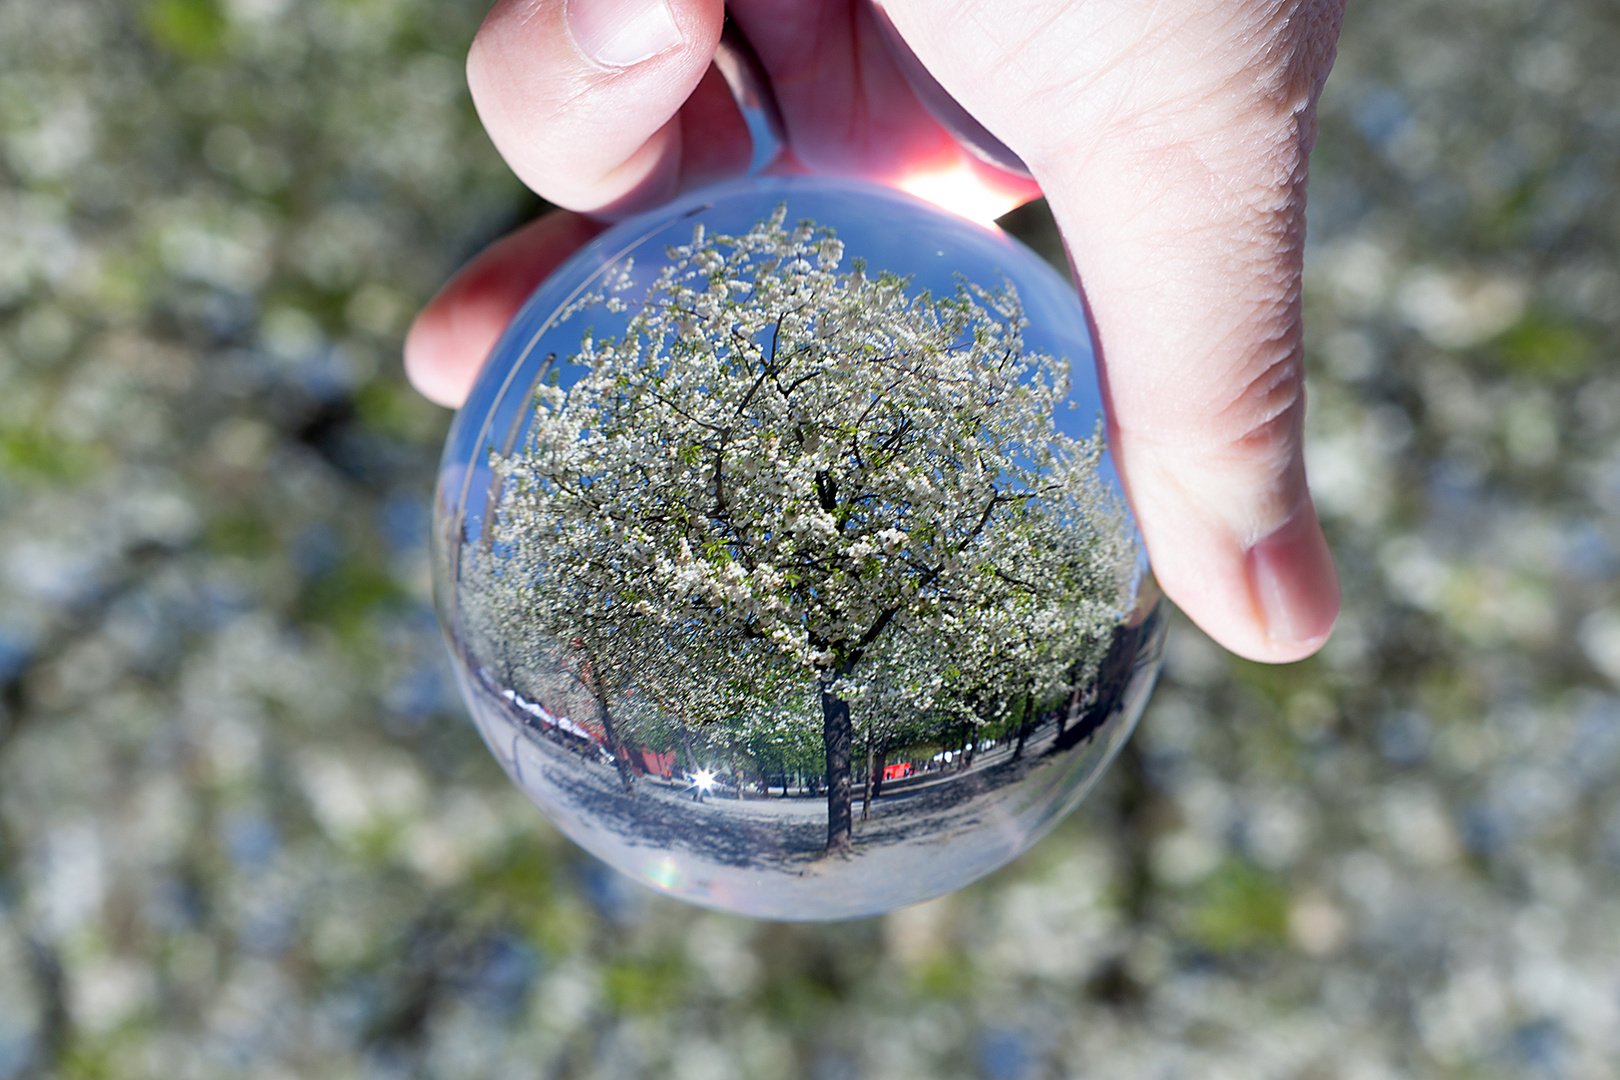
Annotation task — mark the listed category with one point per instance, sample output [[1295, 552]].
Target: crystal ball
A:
[[781, 556]]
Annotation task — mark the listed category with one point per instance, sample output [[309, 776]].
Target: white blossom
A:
[[819, 477]]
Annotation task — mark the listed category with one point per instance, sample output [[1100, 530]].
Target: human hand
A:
[[1171, 143]]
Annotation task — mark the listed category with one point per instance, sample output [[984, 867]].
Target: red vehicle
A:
[[658, 764], [898, 771]]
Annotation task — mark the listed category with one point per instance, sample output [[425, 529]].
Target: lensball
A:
[[781, 556]]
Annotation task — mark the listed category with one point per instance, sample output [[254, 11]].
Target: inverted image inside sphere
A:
[[781, 555]]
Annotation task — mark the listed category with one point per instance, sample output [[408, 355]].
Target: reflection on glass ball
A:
[[781, 556]]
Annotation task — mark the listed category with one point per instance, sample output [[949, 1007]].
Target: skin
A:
[[1169, 139]]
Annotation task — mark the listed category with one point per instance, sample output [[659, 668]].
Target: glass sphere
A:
[[780, 553]]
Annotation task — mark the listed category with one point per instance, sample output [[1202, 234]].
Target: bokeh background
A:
[[246, 830]]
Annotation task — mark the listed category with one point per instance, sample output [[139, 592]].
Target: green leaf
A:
[[395, 410], [29, 454], [1545, 349], [246, 534], [1239, 907], [948, 975], [645, 986], [191, 29], [344, 597]]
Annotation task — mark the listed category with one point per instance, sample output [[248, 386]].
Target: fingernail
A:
[[619, 33], [1293, 581]]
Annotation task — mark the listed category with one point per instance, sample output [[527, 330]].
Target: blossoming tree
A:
[[780, 472]]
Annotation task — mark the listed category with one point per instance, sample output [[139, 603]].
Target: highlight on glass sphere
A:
[[781, 556]]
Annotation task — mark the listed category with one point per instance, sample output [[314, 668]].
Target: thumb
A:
[[1187, 227], [1172, 148]]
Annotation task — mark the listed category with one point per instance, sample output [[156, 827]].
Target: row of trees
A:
[[790, 502]]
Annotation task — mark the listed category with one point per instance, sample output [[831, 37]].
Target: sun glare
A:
[[962, 189]]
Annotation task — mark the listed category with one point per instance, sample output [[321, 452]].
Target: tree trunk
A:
[[1023, 725], [621, 760], [686, 743], [598, 688], [882, 766], [1067, 714], [837, 738], [866, 795]]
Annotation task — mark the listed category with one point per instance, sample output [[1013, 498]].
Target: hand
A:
[[1170, 140]]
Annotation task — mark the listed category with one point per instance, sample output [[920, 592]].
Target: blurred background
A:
[[246, 830]]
